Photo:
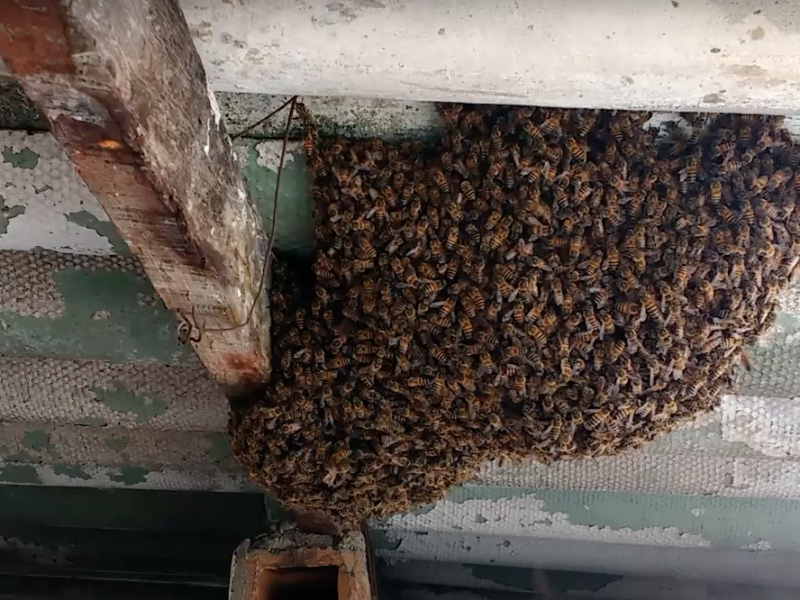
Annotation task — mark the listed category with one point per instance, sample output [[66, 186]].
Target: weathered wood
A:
[[124, 90]]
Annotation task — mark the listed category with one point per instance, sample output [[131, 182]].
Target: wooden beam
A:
[[124, 91]]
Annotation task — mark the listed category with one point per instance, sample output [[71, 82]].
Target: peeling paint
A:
[[269, 155], [69, 290], [520, 512], [38, 440], [23, 159], [295, 224], [171, 477], [521, 524], [131, 475], [7, 213], [219, 446], [35, 390], [104, 228], [123, 400], [39, 179], [71, 471], [25, 474]]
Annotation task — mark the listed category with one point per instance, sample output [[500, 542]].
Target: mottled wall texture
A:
[[95, 391]]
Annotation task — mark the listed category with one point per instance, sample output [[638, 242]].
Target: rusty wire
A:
[[250, 128], [191, 330]]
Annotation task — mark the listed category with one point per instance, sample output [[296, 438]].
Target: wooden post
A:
[[124, 91]]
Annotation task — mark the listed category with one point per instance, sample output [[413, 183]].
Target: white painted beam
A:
[[661, 54]]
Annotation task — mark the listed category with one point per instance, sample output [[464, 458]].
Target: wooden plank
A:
[[124, 91]]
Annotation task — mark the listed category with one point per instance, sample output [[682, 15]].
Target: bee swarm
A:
[[545, 283]]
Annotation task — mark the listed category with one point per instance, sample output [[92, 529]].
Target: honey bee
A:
[[431, 287], [533, 131], [549, 172], [652, 310], [707, 290], [779, 178], [566, 369], [466, 324], [440, 180], [536, 334], [731, 166], [597, 418], [576, 149], [607, 322], [587, 123], [590, 318], [551, 126], [452, 238], [451, 269]]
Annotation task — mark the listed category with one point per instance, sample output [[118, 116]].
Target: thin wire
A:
[[268, 258], [265, 119]]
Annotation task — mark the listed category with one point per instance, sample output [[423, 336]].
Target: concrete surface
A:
[[665, 54]]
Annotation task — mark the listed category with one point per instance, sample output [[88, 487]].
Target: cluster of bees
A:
[[539, 283]]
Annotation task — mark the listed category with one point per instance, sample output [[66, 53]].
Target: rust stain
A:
[[110, 144], [246, 364]]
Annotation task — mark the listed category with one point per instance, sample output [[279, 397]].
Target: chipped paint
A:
[[7, 213], [269, 154], [23, 159], [521, 512], [49, 207], [123, 400], [104, 228], [39, 180], [168, 477], [35, 390], [295, 225], [39, 440], [620, 532], [47, 302], [219, 446], [20, 474], [129, 476], [71, 471], [49, 453]]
